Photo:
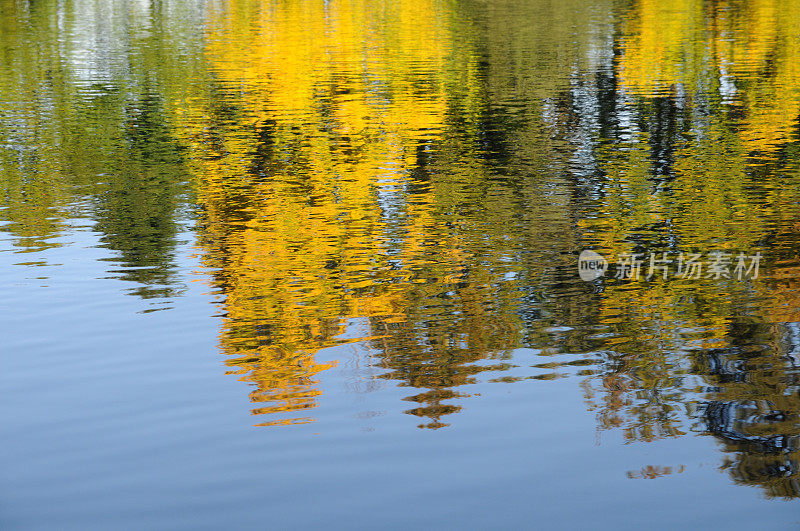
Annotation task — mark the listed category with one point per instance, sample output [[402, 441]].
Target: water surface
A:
[[303, 263]]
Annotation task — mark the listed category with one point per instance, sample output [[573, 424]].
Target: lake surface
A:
[[390, 264]]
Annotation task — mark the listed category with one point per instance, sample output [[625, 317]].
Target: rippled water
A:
[[301, 263]]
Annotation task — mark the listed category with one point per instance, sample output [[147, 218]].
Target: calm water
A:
[[315, 263]]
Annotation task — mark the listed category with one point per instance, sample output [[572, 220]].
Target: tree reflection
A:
[[85, 134]]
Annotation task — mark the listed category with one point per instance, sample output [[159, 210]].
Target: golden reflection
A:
[[352, 166], [743, 54], [317, 201]]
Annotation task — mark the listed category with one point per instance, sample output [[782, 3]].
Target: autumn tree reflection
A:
[[325, 210]]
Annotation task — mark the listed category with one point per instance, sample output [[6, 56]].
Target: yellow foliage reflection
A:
[[317, 204], [746, 54]]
